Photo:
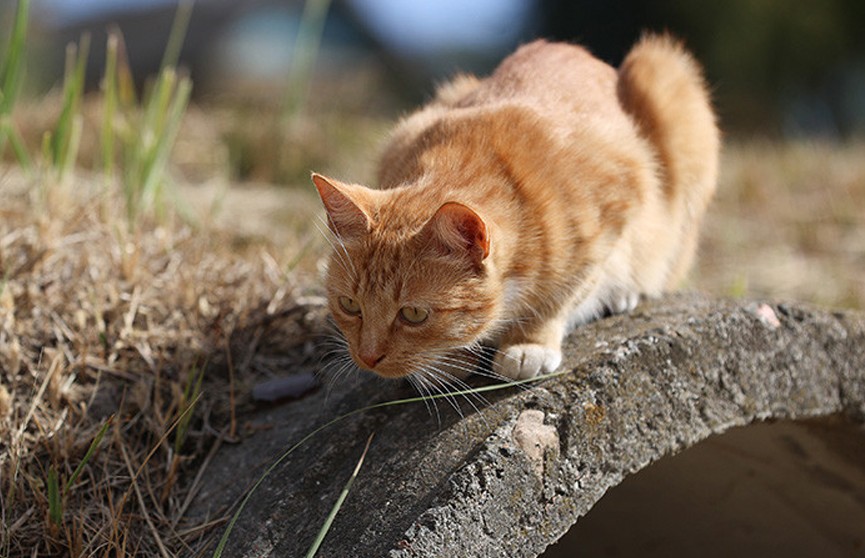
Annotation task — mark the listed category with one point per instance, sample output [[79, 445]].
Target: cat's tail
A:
[[662, 87]]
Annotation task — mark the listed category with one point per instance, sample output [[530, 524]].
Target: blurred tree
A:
[[776, 66]]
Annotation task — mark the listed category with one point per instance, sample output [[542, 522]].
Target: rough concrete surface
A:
[[518, 471]]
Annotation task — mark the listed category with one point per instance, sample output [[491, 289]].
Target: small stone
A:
[[286, 387], [767, 316], [535, 438]]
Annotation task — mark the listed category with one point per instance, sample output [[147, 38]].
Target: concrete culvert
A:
[[792, 489], [575, 454]]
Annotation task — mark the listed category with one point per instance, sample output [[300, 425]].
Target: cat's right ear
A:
[[344, 216], [457, 229]]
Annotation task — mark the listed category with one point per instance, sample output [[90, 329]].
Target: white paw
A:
[[621, 302], [520, 362]]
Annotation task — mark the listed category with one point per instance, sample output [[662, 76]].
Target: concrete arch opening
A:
[[786, 488]]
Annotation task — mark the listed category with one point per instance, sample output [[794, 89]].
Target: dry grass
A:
[[98, 320], [788, 222]]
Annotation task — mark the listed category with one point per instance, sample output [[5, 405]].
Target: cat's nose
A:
[[371, 358]]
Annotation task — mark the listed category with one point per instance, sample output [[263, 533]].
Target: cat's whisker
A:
[[336, 344], [333, 338], [341, 243], [450, 365], [439, 363], [335, 370], [420, 384], [331, 358], [463, 365], [345, 364], [341, 254], [330, 351], [432, 376], [434, 392], [335, 361], [461, 386], [331, 348], [334, 333], [448, 381], [485, 366]]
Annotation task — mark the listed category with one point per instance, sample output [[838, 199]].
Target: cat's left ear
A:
[[345, 217], [457, 229]]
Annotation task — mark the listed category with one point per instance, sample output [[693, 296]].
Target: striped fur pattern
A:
[[515, 207]]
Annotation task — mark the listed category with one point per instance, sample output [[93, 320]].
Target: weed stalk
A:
[[63, 142], [11, 76]]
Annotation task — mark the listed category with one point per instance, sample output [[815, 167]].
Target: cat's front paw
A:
[[527, 360], [622, 302]]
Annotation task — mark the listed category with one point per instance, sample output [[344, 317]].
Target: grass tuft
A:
[[63, 142], [142, 136], [88, 332], [11, 77], [146, 142]]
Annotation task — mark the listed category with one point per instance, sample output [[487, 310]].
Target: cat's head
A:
[[406, 284]]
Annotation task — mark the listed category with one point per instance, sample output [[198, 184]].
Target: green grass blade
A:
[[64, 148], [156, 175], [12, 64], [313, 549], [7, 131], [154, 172], [11, 76], [177, 35], [109, 100], [148, 150], [64, 122], [190, 396], [126, 94], [158, 100], [72, 145], [220, 547], [306, 46], [89, 454], [55, 505]]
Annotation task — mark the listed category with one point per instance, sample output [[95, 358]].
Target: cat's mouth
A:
[[390, 374], [387, 370]]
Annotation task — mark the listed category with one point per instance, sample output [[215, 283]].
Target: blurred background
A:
[[777, 68], [281, 87]]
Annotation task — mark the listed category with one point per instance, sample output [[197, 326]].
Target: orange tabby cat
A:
[[514, 207]]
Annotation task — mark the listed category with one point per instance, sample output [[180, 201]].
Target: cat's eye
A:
[[349, 305], [413, 315]]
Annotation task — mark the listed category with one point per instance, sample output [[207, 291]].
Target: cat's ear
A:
[[344, 216], [457, 229]]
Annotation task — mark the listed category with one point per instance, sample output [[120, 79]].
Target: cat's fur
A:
[[514, 207]]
